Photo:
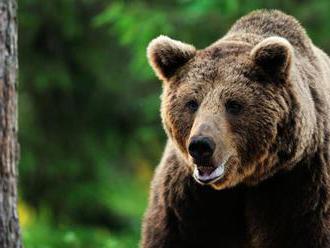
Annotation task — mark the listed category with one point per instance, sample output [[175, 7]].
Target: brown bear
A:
[[247, 158]]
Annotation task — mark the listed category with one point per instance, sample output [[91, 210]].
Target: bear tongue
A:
[[205, 170], [206, 174]]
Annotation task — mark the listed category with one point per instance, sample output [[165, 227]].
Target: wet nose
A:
[[201, 148]]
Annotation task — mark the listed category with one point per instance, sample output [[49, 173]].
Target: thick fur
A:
[[275, 192]]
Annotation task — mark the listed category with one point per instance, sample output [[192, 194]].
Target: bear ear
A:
[[274, 56], [166, 55]]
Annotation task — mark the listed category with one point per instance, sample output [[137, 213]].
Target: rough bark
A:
[[9, 225]]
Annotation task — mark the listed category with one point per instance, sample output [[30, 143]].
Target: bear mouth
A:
[[209, 174]]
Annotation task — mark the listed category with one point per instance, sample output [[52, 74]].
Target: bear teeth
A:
[[209, 176]]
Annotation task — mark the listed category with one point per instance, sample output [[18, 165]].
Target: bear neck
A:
[[290, 208]]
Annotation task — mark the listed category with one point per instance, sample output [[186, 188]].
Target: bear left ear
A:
[[274, 56], [166, 55]]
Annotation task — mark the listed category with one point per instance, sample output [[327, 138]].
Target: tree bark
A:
[[9, 150]]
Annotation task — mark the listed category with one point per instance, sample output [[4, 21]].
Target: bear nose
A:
[[201, 148]]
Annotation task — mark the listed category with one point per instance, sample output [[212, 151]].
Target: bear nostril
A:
[[201, 148]]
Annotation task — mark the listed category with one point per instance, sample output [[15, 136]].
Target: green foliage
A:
[[126, 23], [47, 235], [89, 122]]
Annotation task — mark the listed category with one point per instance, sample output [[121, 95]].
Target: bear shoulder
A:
[[267, 23]]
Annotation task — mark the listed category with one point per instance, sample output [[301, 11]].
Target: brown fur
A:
[[275, 189]]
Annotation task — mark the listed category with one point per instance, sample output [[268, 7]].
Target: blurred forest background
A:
[[90, 130]]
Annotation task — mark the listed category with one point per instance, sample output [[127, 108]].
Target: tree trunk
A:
[[9, 226]]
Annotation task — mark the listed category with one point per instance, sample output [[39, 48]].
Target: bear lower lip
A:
[[210, 175]]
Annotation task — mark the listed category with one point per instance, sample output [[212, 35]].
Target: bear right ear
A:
[[274, 55], [166, 55]]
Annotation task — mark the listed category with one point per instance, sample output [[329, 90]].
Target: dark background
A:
[[90, 130]]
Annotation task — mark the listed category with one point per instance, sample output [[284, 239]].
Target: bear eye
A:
[[192, 105], [234, 107]]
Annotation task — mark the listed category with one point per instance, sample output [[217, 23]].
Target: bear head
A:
[[230, 108]]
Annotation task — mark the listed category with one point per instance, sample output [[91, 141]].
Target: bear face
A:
[[228, 107]]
